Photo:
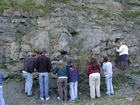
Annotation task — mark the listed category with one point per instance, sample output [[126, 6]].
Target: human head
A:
[[69, 60], [105, 59], [33, 55], [93, 60], [122, 43], [94, 64], [44, 52], [60, 62]]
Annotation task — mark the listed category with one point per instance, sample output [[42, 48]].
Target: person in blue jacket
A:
[[2, 102], [73, 78]]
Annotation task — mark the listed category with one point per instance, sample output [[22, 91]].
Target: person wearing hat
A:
[[107, 68], [62, 74], [73, 78]]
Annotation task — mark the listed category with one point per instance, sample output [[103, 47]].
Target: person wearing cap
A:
[[28, 69], [73, 78], [62, 74], [2, 101], [107, 68], [43, 67]]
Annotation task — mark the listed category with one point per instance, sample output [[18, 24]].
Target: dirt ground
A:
[[14, 95]]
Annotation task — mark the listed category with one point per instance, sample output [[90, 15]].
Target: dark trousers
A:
[[62, 88]]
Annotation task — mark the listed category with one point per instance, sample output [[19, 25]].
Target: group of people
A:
[[68, 74], [94, 70]]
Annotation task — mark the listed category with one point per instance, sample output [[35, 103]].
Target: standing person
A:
[[61, 71], [122, 59], [93, 70], [107, 68], [28, 69], [44, 66], [2, 102], [73, 78]]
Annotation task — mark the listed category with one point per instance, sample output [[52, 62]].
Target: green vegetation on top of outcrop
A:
[[136, 3], [25, 6]]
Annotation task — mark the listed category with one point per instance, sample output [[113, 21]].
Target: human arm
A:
[[55, 70], [87, 70], [120, 49], [104, 67]]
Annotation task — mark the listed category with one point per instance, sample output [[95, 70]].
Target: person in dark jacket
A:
[[61, 71], [73, 78], [44, 66], [93, 70], [28, 69], [2, 102]]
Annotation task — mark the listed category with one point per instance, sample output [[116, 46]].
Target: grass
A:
[[16, 77], [3, 66], [136, 73], [28, 5], [134, 3], [130, 15], [103, 22], [19, 38]]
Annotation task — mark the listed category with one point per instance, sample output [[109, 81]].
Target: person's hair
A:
[[60, 64], [123, 42], [44, 52], [33, 55], [105, 59], [74, 66], [94, 64], [70, 62]]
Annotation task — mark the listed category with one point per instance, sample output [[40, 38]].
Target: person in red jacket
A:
[[93, 70]]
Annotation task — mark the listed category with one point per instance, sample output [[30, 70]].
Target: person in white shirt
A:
[[122, 59], [107, 68]]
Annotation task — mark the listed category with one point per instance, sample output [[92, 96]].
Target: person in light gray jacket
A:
[[107, 68]]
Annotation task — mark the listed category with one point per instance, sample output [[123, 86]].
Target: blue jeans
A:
[[28, 82], [2, 102], [109, 85], [43, 82], [73, 86]]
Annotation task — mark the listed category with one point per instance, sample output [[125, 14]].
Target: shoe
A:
[[112, 94], [48, 98], [41, 98], [70, 100], [31, 95], [59, 98]]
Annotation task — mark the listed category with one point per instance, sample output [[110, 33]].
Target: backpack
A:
[[29, 65]]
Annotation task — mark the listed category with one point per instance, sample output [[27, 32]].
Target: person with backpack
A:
[[2, 101], [28, 69], [43, 67], [73, 78]]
